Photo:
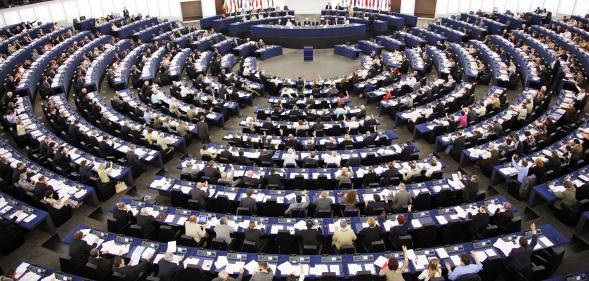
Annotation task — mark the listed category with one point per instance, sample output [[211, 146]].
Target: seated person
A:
[[343, 235], [376, 204], [465, 267], [311, 235], [371, 233], [299, 204], [253, 234]]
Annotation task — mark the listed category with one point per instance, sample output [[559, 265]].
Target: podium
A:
[[308, 53]]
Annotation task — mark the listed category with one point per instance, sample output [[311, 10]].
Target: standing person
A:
[[519, 259], [203, 130]]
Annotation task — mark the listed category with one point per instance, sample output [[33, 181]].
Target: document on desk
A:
[[169, 218], [441, 219], [388, 224], [460, 212], [420, 262], [252, 266], [171, 247], [191, 261], [503, 246], [415, 223], [442, 254], [354, 268], [136, 255], [234, 267], [286, 268], [30, 218], [481, 255], [380, 261], [49, 278], [30, 276], [411, 254], [545, 241], [455, 260], [300, 225], [221, 262]]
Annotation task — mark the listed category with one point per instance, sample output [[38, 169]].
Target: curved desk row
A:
[[318, 36]]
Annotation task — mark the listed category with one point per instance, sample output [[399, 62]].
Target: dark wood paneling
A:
[[219, 6], [191, 10], [396, 5], [425, 8]]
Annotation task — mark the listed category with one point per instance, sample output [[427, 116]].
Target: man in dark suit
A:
[[41, 187], [105, 147], [241, 159], [102, 263], [291, 142], [253, 234], [211, 171], [376, 204], [519, 259], [553, 161], [85, 171], [479, 221], [369, 139], [132, 158], [146, 222], [311, 160], [20, 168], [130, 272], [200, 193], [273, 179], [122, 214], [167, 268], [265, 157], [249, 202], [79, 250], [203, 130], [226, 153], [371, 233], [503, 215], [401, 229], [391, 172], [310, 236]]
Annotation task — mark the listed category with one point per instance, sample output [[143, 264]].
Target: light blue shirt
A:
[[155, 99], [464, 269], [147, 117], [522, 172]]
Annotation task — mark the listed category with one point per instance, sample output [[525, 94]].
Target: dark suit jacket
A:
[[211, 172], [250, 203], [309, 237], [397, 231], [103, 265], [79, 251], [131, 273], [273, 179], [370, 234], [122, 216], [479, 221], [201, 196], [166, 270], [147, 223], [502, 218], [254, 235], [520, 258]]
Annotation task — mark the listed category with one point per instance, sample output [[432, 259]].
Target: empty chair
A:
[[425, 236]]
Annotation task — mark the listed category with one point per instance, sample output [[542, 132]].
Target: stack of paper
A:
[[503, 246]]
